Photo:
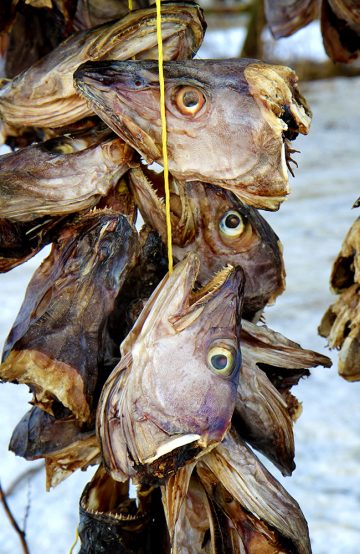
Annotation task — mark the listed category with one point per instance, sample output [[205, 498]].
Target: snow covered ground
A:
[[311, 225]]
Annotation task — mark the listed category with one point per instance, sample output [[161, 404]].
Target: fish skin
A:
[[235, 141], [341, 322], [340, 28], [265, 408], [62, 175], [144, 429], [62, 441], [44, 94], [58, 341], [197, 210], [112, 522], [248, 481], [285, 17]]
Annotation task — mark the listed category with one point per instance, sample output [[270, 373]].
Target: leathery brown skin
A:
[[265, 409], [340, 28], [21, 240], [44, 95], [285, 17], [62, 175], [112, 522], [341, 322], [229, 121], [148, 430], [58, 341], [62, 441], [216, 225], [228, 502]]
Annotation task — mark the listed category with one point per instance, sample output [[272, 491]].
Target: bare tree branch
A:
[[27, 474], [13, 522]]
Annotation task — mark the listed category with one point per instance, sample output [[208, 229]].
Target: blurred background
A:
[[311, 225]]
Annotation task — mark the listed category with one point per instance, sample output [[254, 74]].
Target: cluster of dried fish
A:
[[340, 23], [197, 380], [341, 322]]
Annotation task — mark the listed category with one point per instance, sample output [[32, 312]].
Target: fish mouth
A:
[[108, 87]]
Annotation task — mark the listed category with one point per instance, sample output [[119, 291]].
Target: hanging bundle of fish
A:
[[164, 380], [341, 322], [339, 20]]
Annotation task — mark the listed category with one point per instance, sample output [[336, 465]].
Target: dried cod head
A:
[[58, 342], [341, 322], [228, 121], [216, 225], [173, 394]]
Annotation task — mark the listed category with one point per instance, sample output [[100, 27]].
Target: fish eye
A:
[[221, 360], [232, 224], [189, 100]]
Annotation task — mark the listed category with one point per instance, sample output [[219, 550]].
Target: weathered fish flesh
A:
[[341, 322], [90, 13], [265, 408], [112, 522], [65, 444], [243, 476], [147, 429], [44, 95], [58, 342], [227, 502], [61, 176], [229, 121], [285, 17], [35, 31], [20, 241], [340, 27], [216, 225]]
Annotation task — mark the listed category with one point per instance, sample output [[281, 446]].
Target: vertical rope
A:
[[130, 5], [164, 135], [75, 541]]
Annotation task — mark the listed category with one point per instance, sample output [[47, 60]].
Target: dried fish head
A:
[[44, 95], [57, 343], [228, 120], [65, 444], [172, 395], [340, 27], [285, 17], [265, 408], [243, 476], [112, 522], [341, 322], [62, 175], [216, 225]]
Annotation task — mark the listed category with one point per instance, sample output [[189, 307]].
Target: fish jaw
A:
[[165, 406], [236, 140], [44, 94]]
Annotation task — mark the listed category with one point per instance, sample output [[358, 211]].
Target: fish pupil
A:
[[190, 99], [219, 361], [232, 221]]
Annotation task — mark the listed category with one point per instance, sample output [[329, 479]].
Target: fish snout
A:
[[107, 74]]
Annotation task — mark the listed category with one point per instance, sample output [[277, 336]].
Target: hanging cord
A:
[[75, 541], [164, 135], [130, 5]]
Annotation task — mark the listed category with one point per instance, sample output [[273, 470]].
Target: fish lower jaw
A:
[[167, 447]]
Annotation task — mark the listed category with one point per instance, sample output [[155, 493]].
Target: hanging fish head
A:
[[221, 229], [228, 121], [172, 396]]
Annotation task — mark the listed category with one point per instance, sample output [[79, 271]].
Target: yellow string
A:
[[130, 5], [75, 541], [164, 135]]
